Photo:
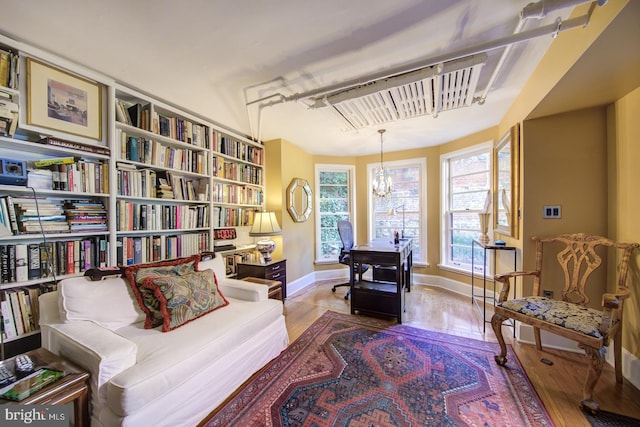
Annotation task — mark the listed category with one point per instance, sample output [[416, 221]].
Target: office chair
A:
[[345, 230]]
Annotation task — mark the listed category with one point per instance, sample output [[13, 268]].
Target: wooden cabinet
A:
[[274, 270]]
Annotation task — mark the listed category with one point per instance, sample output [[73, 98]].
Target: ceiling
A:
[[211, 56]]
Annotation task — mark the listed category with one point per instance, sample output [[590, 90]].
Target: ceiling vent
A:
[[429, 90]]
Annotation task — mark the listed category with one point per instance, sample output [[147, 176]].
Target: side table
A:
[[275, 269], [480, 300], [275, 286], [73, 387]]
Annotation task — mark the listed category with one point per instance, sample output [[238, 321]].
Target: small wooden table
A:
[[275, 286], [73, 387]]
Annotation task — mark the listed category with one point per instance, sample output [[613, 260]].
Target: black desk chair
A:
[[345, 230]]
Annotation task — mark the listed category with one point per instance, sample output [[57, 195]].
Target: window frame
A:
[[445, 203], [421, 163], [351, 200]]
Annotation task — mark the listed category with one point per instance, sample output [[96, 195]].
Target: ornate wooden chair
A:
[[570, 317]]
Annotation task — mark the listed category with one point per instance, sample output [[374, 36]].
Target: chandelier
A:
[[381, 179]]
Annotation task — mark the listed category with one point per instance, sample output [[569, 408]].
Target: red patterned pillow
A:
[[136, 274], [185, 298]]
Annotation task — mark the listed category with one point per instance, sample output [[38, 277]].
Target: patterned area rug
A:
[[358, 371]]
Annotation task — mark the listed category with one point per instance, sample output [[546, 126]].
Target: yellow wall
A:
[[624, 207], [564, 163], [297, 241]]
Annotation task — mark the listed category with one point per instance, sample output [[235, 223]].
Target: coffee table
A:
[[73, 387]]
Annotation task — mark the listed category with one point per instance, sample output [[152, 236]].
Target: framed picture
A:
[[506, 183], [62, 101]]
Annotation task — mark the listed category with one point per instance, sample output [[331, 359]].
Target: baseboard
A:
[[524, 333]]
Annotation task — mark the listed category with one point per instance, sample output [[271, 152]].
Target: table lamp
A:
[[265, 224]]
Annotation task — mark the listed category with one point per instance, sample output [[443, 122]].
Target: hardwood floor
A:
[[436, 309]]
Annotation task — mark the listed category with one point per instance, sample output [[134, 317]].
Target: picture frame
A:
[[299, 200], [64, 102], [506, 183]]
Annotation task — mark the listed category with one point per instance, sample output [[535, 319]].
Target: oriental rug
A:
[[359, 371]]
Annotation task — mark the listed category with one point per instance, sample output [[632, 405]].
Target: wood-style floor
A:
[[436, 309]]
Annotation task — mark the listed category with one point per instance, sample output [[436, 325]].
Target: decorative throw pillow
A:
[[136, 274], [186, 297]]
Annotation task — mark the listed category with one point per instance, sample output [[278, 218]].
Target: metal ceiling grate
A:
[[426, 91]]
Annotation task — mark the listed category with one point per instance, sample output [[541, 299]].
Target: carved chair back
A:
[[578, 260]]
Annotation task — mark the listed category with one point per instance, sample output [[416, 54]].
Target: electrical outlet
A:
[[547, 293], [551, 211]]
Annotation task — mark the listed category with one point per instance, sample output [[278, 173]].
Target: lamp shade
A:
[[265, 224]]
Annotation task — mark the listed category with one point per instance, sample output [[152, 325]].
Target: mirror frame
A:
[[506, 163], [299, 184]]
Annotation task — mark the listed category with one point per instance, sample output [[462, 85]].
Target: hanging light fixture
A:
[[381, 178]]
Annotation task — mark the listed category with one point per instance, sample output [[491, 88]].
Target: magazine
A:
[[30, 384]]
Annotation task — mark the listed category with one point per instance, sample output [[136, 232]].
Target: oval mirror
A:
[[299, 199]]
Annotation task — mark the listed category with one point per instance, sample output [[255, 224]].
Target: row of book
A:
[[143, 249], [160, 184], [240, 150], [69, 174], [232, 260], [20, 311], [154, 153], [224, 216], [28, 215], [31, 261], [237, 194], [237, 172], [142, 116], [134, 216]]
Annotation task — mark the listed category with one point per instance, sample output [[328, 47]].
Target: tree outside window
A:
[[334, 193]]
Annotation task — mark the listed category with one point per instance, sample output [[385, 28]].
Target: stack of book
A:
[[164, 189], [85, 215], [43, 216]]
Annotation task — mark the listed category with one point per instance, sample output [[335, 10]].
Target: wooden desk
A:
[[73, 387], [382, 297]]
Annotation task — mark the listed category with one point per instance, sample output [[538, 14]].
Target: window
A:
[[334, 201], [402, 210], [466, 182]]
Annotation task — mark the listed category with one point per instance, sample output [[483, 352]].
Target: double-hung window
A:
[[466, 185], [335, 201], [403, 210]]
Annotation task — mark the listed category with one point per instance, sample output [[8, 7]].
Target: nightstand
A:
[[274, 270]]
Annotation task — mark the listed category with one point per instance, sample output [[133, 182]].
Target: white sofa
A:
[[146, 377]]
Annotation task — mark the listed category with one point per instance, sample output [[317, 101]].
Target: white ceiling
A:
[[203, 55]]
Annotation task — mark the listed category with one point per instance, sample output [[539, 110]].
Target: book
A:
[[9, 324], [5, 67], [22, 267], [90, 148], [34, 261], [15, 309], [30, 384], [134, 114], [13, 219], [54, 161]]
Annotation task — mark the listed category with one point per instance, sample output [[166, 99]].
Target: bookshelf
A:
[[156, 186], [54, 225], [163, 181]]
